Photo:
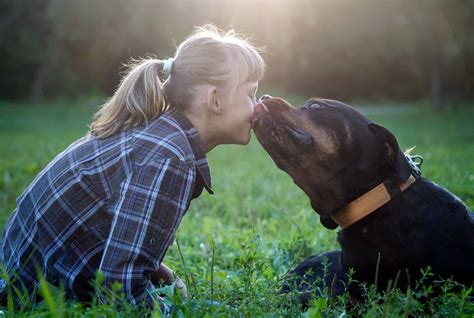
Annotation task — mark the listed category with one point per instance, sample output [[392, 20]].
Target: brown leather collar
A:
[[367, 203]]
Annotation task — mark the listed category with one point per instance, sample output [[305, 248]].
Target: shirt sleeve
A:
[[146, 213]]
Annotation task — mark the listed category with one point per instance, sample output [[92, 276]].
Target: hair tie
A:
[[168, 65]]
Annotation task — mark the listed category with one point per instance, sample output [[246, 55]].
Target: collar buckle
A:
[[415, 163]]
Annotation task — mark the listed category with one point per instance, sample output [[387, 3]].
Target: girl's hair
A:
[[207, 56]]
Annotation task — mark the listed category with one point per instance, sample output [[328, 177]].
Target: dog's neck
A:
[[370, 201]]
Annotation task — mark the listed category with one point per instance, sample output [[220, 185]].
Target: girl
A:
[[112, 201]]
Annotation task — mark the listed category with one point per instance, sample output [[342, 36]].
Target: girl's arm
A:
[[146, 213]]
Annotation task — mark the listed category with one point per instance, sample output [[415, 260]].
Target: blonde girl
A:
[[112, 201]]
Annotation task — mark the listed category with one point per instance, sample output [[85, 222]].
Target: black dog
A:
[[357, 178]]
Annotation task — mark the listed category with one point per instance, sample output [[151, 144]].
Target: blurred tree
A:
[[431, 39], [23, 30], [336, 49], [460, 62]]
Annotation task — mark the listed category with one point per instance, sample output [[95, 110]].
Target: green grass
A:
[[238, 243]]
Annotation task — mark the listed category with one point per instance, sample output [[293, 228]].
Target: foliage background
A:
[[400, 49]]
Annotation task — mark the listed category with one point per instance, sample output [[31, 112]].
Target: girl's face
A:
[[236, 119]]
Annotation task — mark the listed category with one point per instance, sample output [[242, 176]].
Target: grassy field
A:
[[236, 245]]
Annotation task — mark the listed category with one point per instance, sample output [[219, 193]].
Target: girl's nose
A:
[[264, 97]]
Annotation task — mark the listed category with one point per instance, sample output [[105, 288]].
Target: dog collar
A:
[[370, 201]]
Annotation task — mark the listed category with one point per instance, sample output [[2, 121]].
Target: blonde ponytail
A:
[[138, 99], [207, 56]]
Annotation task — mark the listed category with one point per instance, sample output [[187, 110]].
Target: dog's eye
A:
[[311, 106], [317, 104]]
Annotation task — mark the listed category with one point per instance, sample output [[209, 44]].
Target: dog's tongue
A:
[[259, 110]]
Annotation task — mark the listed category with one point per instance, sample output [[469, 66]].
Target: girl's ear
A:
[[213, 101]]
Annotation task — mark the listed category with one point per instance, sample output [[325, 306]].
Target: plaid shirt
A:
[[110, 204]]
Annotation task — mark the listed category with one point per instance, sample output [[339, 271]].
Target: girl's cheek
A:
[[252, 107]]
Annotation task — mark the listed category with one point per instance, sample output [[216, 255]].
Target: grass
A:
[[235, 246]]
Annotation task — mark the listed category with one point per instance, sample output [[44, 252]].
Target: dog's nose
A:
[[264, 97]]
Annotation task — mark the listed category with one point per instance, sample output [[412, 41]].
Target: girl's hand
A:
[[182, 287], [164, 275]]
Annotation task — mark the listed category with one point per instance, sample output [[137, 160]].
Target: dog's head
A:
[[330, 150]]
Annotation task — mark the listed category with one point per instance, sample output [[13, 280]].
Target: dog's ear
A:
[[393, 153]]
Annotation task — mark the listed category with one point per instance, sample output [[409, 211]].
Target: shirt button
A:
[[152, 241]]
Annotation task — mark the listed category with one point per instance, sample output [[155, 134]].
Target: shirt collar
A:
[[197, 147]]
